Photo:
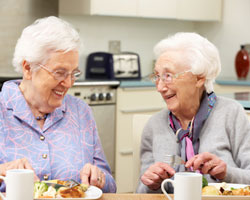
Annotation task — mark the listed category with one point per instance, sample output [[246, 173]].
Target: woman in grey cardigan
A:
[[211, 133]]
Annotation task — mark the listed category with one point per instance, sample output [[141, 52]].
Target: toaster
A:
[[121, 66]]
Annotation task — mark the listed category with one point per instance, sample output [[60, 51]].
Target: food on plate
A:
[[42, 190], [75, 192], [225, 189], [204, 182], [210, 190], [39, 189]]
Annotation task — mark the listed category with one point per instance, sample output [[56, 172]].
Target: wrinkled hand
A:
[[92, 175], [22, 163], [155, 174], [208, 163]]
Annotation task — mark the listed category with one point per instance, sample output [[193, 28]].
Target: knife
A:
[[69, 184], [53, 184], [173, 160]]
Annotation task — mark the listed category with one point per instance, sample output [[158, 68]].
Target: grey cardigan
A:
[[226, 133]]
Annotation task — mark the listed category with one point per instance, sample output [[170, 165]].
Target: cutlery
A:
[[173, 160], [70, 184], [53, 184]]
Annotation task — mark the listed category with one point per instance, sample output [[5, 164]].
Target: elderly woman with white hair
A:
[[210, 133], [43, 128]]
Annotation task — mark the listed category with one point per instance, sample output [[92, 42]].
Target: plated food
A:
[[58, 189], [226, 189]]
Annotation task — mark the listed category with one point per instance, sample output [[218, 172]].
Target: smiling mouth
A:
[[59, 93], [169, 96]]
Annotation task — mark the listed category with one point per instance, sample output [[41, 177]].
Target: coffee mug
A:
[[19, 184], [187, 185]]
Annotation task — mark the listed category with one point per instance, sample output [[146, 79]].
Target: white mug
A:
[[187, 185], [19, 184]]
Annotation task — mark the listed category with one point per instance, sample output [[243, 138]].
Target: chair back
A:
[[139, 121]]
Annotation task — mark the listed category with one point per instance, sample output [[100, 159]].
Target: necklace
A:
[[41, 117]]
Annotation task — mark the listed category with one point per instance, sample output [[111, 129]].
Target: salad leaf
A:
[[204, 182]]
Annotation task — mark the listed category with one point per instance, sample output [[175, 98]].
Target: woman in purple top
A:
[[42, 128]]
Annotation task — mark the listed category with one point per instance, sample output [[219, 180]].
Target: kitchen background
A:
[[135, 33], [115, 103]]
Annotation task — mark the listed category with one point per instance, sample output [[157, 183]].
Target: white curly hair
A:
[[197, 52], [44, 36]]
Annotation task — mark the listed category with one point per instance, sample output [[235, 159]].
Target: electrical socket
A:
[[114, 46]]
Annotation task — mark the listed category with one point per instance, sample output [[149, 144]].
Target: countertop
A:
[[242, 97], [136, 83], [232, 81], [148, 83], [121, 83]]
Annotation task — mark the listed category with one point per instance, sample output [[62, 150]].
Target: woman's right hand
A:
[[22, 163], [155, 174]]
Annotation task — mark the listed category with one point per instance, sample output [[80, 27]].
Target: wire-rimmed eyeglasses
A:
[[166, 77], [61, 74]]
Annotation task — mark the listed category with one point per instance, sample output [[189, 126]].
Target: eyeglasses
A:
[[61, 74], [166, 77]]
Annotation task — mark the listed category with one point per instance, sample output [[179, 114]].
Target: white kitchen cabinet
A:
[[98, 7], [130, 101], [157, 8], [200, 10]]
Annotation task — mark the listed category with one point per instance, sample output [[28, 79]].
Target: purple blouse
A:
[[68, 140]]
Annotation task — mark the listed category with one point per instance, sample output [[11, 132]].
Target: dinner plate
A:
[[229, 185], [92, 193], [227, 197]]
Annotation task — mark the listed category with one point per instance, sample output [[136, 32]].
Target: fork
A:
[[173, 160], [72, 183]]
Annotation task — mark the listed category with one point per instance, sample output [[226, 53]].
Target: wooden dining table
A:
[[109, 196], [130, 196]]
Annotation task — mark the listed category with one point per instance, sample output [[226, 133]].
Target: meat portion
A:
[[74, 192]]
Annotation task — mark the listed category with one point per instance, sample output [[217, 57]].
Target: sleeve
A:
[[99, 158], [2, 184], [101, 162], [147, 158], [239, 130]]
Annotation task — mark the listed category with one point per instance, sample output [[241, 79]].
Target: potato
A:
[[210, 190]]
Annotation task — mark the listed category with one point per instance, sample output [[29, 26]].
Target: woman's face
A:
[[48, 92], [183, 91]]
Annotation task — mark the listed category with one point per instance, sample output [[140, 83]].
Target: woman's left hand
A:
[[208, 163], [92, 175]]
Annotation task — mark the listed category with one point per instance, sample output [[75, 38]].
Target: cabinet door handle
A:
[[138, 110], [126, 152]]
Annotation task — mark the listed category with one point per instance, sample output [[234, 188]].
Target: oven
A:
[[101, 97], [7, 78]]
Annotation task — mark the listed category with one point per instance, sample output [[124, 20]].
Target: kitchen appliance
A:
[[7, 78], [101, 97], [121, 66]]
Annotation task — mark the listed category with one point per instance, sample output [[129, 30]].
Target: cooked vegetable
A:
[[39, 189], [204, 182], [84, 187], [54, 189], [50, 192]]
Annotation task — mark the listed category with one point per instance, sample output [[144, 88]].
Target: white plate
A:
[[227, 197], [230, 185], [92, 193]]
